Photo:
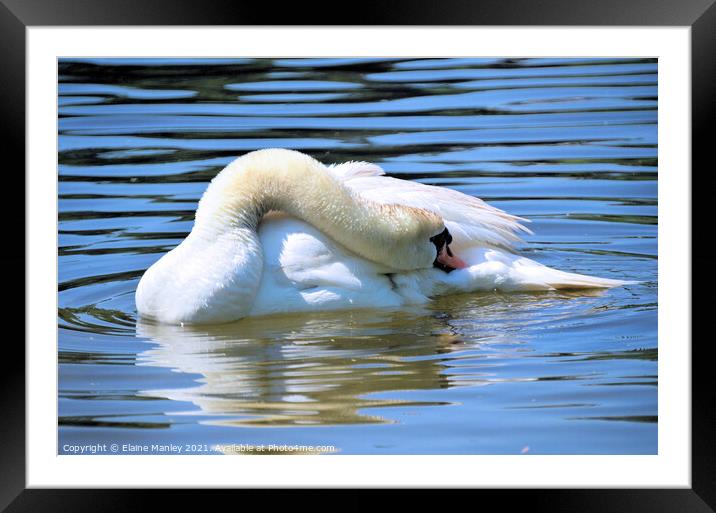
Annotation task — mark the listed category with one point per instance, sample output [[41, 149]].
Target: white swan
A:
[[277, 231]]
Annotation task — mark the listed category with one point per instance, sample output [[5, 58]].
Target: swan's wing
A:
[[304, 270], [471, 221]]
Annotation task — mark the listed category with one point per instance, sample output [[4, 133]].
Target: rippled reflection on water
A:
[[570, 144]]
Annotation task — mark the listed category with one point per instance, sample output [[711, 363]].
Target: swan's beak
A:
[[449, 262]]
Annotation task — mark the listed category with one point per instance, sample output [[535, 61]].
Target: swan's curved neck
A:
[[214, 274], [394, 235]]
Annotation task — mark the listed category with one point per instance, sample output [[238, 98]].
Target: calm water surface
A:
[[570, 144]]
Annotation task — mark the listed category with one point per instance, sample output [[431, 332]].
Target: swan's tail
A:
[[540, 277], [490, 269]]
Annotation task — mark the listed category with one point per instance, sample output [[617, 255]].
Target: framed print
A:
[[427, 250]]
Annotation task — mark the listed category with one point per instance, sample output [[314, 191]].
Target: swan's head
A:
[[415, 238], [398, 236]]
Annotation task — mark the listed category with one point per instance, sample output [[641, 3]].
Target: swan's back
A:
[[471, 221]]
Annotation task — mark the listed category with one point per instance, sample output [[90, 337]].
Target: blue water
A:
[[570, 144]]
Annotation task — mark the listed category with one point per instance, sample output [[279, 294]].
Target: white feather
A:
[[353, 169]]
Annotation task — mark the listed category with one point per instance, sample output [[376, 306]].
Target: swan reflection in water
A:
[[329, 368]]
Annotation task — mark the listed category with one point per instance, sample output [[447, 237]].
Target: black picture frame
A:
[[17, 15]]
